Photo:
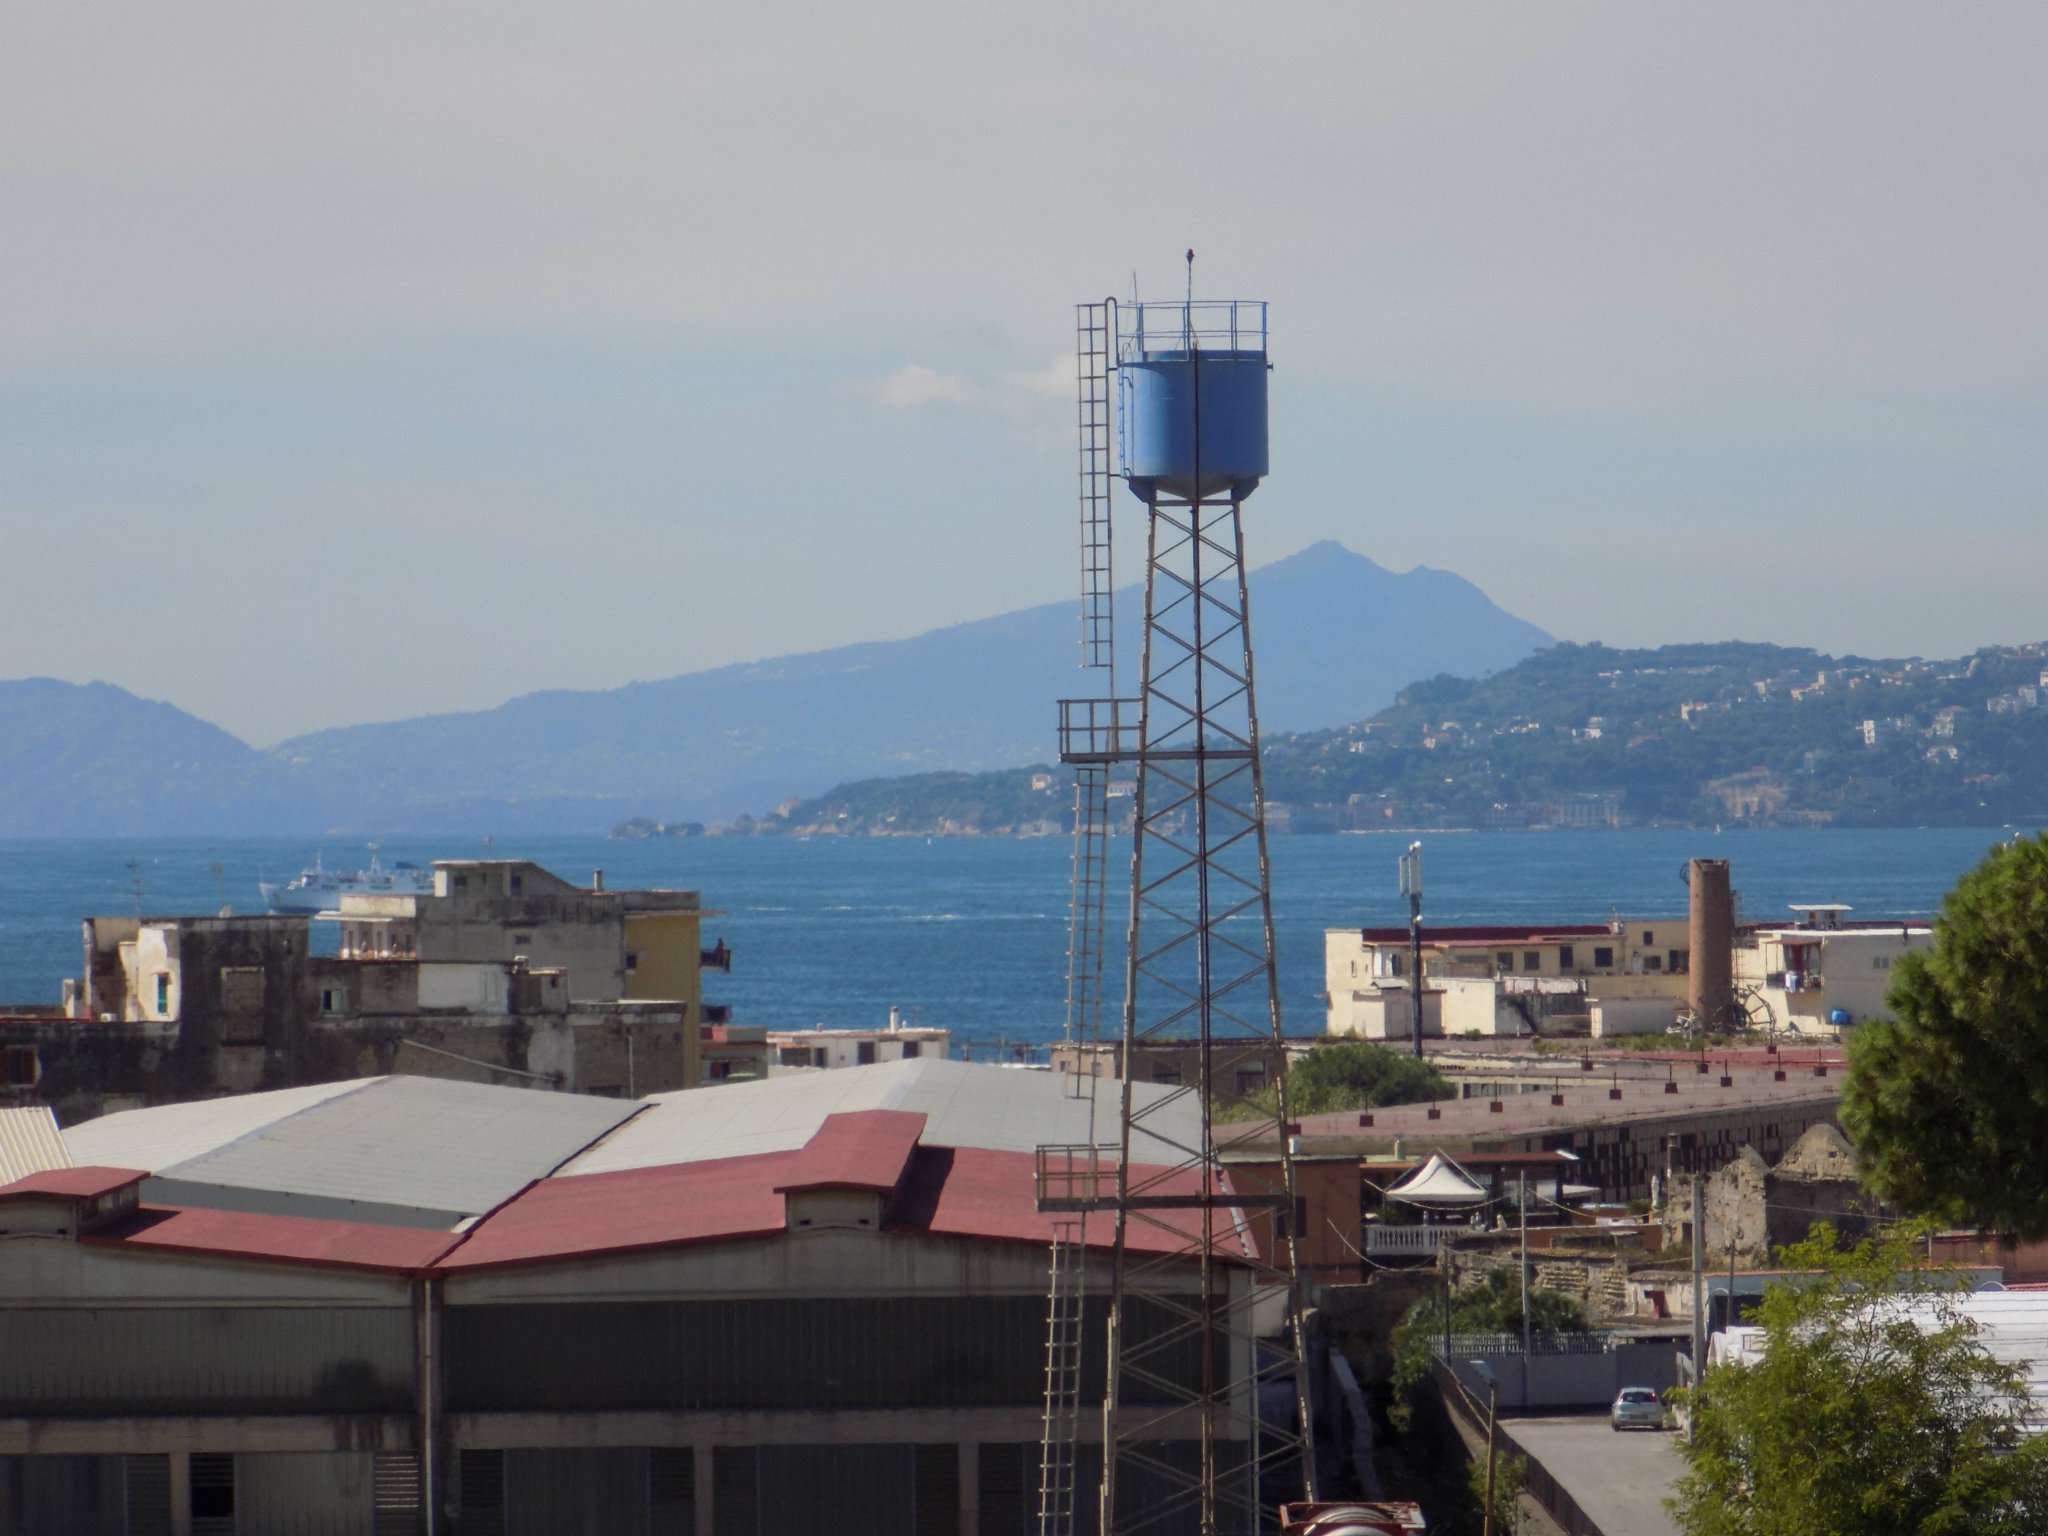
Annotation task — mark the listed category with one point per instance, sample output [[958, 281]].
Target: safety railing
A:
[[1099, 730], [1232, 325]]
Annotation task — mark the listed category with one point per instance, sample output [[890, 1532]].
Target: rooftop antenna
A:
[[1192, 1287]]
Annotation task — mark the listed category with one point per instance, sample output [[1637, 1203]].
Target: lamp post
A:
[[1411, 887]]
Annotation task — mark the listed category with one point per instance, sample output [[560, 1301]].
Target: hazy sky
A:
[[363, 360]]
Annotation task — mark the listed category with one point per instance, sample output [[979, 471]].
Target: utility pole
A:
[[1522, 1205], [1411, 887], [1492, 1397], [1699, 1290]]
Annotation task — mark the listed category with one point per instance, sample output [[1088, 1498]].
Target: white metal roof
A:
[[410, 1151], [30, 1142], [155, 1138], [966, 1104]]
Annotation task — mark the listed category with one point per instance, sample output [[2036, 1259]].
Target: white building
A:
[[1822, 974]]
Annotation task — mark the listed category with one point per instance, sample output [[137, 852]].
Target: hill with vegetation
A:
[[1587, 735]]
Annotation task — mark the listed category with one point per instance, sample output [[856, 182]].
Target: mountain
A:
[[77, 761], [1337, 636]]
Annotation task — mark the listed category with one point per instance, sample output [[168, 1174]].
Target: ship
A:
[[320, 889]]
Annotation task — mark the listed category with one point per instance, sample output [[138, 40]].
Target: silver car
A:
[[1638, 1408]]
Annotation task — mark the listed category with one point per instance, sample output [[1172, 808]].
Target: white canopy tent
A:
[[1439, 1184]]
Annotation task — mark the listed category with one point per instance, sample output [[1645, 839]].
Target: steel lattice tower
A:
[[1205, 1311]]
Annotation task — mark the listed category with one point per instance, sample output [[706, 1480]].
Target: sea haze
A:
[[970, 933]]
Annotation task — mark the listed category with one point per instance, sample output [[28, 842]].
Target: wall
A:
[[1549, 1382]]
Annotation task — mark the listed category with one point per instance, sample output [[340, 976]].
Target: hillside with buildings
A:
[[1590, 736], [1586, 735]]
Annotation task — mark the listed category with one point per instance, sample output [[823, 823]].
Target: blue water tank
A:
[[1158, 389]]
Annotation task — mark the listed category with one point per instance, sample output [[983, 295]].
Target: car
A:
[[1638, 1408]]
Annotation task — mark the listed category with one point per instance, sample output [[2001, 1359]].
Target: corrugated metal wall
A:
[[624, 1491], [850, 1490], [1008, 1483], [323, 1494], [205, 1359], [63, 1495], [827, 1353]]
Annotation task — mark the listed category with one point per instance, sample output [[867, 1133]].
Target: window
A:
[[1504, 961], [462, 882], [632, 962], [796, 1056], [518, 883], [1532, 959], [213, 1493], [818, 1057], [163, 991], [864, 1053], [912, 1049], [1250, 1080], [524, 939], [18, 1066], [333, 1000], [1396, 964], [1675, 961], [1653, 962], [1649, 938], [1564, 957], [1603, 958]]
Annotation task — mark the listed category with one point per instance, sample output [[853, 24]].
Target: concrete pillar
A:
[[181, 1494], [970, 1488], [701, 1489]]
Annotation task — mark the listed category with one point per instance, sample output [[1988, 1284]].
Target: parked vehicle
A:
[[1638, 1408]]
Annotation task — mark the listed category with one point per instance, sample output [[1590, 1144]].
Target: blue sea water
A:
[[971, 934]]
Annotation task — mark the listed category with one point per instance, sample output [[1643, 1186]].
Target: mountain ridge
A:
[[712, 743]]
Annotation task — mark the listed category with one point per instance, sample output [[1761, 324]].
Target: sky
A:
[[363, 361]]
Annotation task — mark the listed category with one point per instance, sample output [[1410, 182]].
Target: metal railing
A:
[[1074, 1175], [1236, 325], [1099, 730], [1472, 1346]]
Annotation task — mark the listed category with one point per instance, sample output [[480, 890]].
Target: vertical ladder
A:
[[1092, 341], [1065, 1294], [1085, 922]]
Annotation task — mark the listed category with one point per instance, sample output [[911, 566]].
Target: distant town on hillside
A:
[[1586, 736]]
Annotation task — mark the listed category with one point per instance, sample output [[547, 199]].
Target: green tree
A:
[[1947, 1100], [1350, 1074], [1510, 1477], [1875, 1411], [1492, 1306]]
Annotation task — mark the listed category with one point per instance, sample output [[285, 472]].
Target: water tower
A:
[[1205, 1413]]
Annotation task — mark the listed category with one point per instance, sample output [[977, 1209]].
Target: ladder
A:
[[1092, 341], [1065, 1294]]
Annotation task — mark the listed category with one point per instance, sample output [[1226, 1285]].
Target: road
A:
[[1620, 1481]]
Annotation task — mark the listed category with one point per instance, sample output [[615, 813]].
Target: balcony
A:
[[1796, 981], [1409, 1241], [716, 958], [717, 1013]]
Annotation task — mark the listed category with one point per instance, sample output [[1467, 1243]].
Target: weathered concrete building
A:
[[366, 1308], [511, 976]]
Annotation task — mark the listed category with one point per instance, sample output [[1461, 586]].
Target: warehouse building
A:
[[412, 1305]]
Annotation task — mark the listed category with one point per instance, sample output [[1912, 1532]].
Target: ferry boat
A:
[[319, 889]]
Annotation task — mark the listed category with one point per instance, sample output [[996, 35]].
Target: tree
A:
[[1492, 1306], [1874, 1411], [1947, 1101], [1348, 1074], [1510, 1479]]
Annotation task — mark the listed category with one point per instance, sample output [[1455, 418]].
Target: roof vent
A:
[[1820, 1069], [1779, 1075], [1557, 1098], [1727, 1081], [1435, 1113], [1671, 1085], [1614, 1093], [1494, 1107], [1364, 1121]]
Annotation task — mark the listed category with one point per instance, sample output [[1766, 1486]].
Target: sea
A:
[[970, 933]]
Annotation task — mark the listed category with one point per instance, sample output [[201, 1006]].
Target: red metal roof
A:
[[946, 1191], [73, 1183], [1480, 934], [582, 1215], [865, 1149], [277, 1239]]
